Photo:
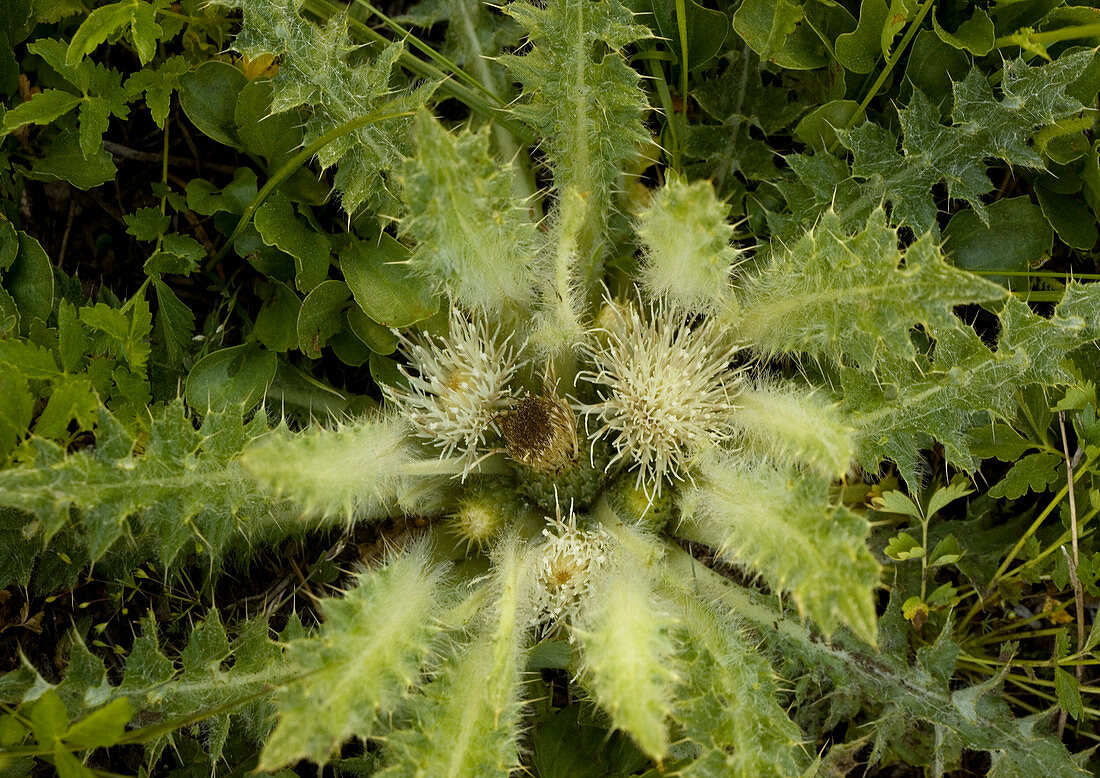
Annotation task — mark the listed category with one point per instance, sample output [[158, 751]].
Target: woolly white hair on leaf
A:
[[625, 642], [666, 391], [749, 734], [467, 720], [355, 470], [472, 237], [779, 523], [793, 426], [456, 385], [358, 669], [688, 259]]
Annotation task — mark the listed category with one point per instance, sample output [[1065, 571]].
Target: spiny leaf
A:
[[367, 656], [983, 127], [362, 469], [727, 697], [314, 71], [906, 406], [789, 425], [625, 640], [581, 96], [467, 721], [854, 296], [471, 236], [780, 524], [186, 484], [688, 258]]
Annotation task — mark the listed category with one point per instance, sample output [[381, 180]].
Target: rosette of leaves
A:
[[580, 417]]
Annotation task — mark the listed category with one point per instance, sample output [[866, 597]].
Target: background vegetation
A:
[[215, 218]]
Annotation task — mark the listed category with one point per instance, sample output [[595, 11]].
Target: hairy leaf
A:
[[780, 524]]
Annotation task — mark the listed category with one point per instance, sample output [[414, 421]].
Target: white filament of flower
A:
[[457, 384], [665, 391], [570, 558]]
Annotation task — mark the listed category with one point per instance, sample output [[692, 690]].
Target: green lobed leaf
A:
[[625, 646], [781, 524], [844, 296], [473, 239], [455, 733]]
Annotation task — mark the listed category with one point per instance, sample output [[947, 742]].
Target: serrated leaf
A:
[[626, 643], [175, 322], [903, 546], [781, 524], [583, 99], [1035, 472], [840, 296], [101, 728], [472, 238], [1069, 693], [895, 501], [43, 108], [947, 552], [477, 735], [359, 667]]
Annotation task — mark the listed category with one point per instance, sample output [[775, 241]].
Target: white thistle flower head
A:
[[569, 559], [456, 386], [665, 390]]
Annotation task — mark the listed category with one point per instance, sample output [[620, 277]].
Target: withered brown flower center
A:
[[541, 433]]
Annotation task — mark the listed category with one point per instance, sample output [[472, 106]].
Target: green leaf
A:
[[947, 552], [839, 296], [1036, 472], [382, 285], [42, 108], [208, 96], [65, 161], [1070, 218], [472, 237], [475, 734], [179, 254], [371, 646], [583, 100], [765, 25], [975, 35], [859, 50], [48, 718], [380, 340], [234, 376], [271, 135], [946, 495], [147, 223], [101, 728], [626, 644], [30, 280], [276, 324], [72, 399], [360, 470], [16, 408], [105, 21], [727, 697], [68, 766], [895, 501], [175, 322], [320, 316], [1069, 695], [279, 226], [780, 523], [1015, 236], [904, 546]]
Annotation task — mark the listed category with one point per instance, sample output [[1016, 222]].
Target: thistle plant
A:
[[627, 432]]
